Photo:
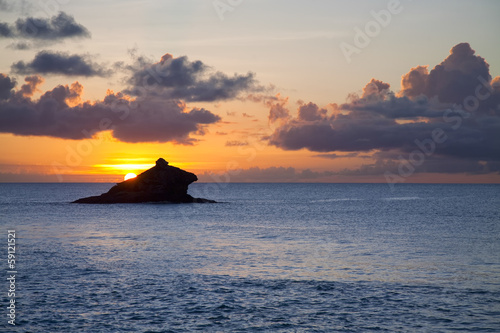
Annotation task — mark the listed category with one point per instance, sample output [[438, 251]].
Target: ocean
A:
[[266, 258]]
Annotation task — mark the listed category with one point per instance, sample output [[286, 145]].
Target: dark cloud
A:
[[152, 109], [60, 113], [311, 112], [433, 164], [163, 121], [31, 85], [414, 83], [6, 86], [5, 30], [450, 81], [47, 62], [393, 107], [57, 27], [188, 80], [168, 72], [456, 103]]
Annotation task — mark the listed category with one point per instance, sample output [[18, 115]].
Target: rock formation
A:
[[161, 183]]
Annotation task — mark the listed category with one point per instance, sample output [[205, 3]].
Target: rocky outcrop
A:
[[161, 183]]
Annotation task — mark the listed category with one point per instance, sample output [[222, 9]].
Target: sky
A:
[[251, 91]]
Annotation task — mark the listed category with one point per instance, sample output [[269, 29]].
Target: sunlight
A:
[[129, 176]]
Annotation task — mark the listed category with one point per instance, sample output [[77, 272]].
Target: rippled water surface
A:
[[268, 257]]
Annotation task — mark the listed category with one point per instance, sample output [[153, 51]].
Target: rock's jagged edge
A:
[[161, 183]]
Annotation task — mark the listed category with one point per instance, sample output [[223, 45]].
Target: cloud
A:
[[5, 30], [433, 164], [457, 99], [456, 77], [161, 121], [336, 156], [20, 46], [311, 112], [414, 83], [191, 81], [271, 174], [152, 109], [6, 86], [57, 27], [6, 6], [60, 113], [278, 111], [261, 98], [375, 90], [31, 85], [47, 62]]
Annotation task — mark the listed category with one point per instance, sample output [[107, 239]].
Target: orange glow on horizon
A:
[[110, 168], [117, 169]]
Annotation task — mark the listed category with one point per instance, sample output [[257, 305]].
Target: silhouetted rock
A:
[[161, 183]]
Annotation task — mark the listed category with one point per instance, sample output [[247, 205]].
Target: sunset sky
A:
[[251, 90]]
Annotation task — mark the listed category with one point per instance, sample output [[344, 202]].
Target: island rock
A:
[[161, 183]]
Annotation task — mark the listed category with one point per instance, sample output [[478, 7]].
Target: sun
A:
[[129, 176]]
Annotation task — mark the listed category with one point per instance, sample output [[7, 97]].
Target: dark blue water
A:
[[271, 257]]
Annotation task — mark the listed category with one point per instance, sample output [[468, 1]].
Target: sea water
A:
[[267, 257]]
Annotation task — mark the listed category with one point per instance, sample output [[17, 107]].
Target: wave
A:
[[402, 198], [336, 199]]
